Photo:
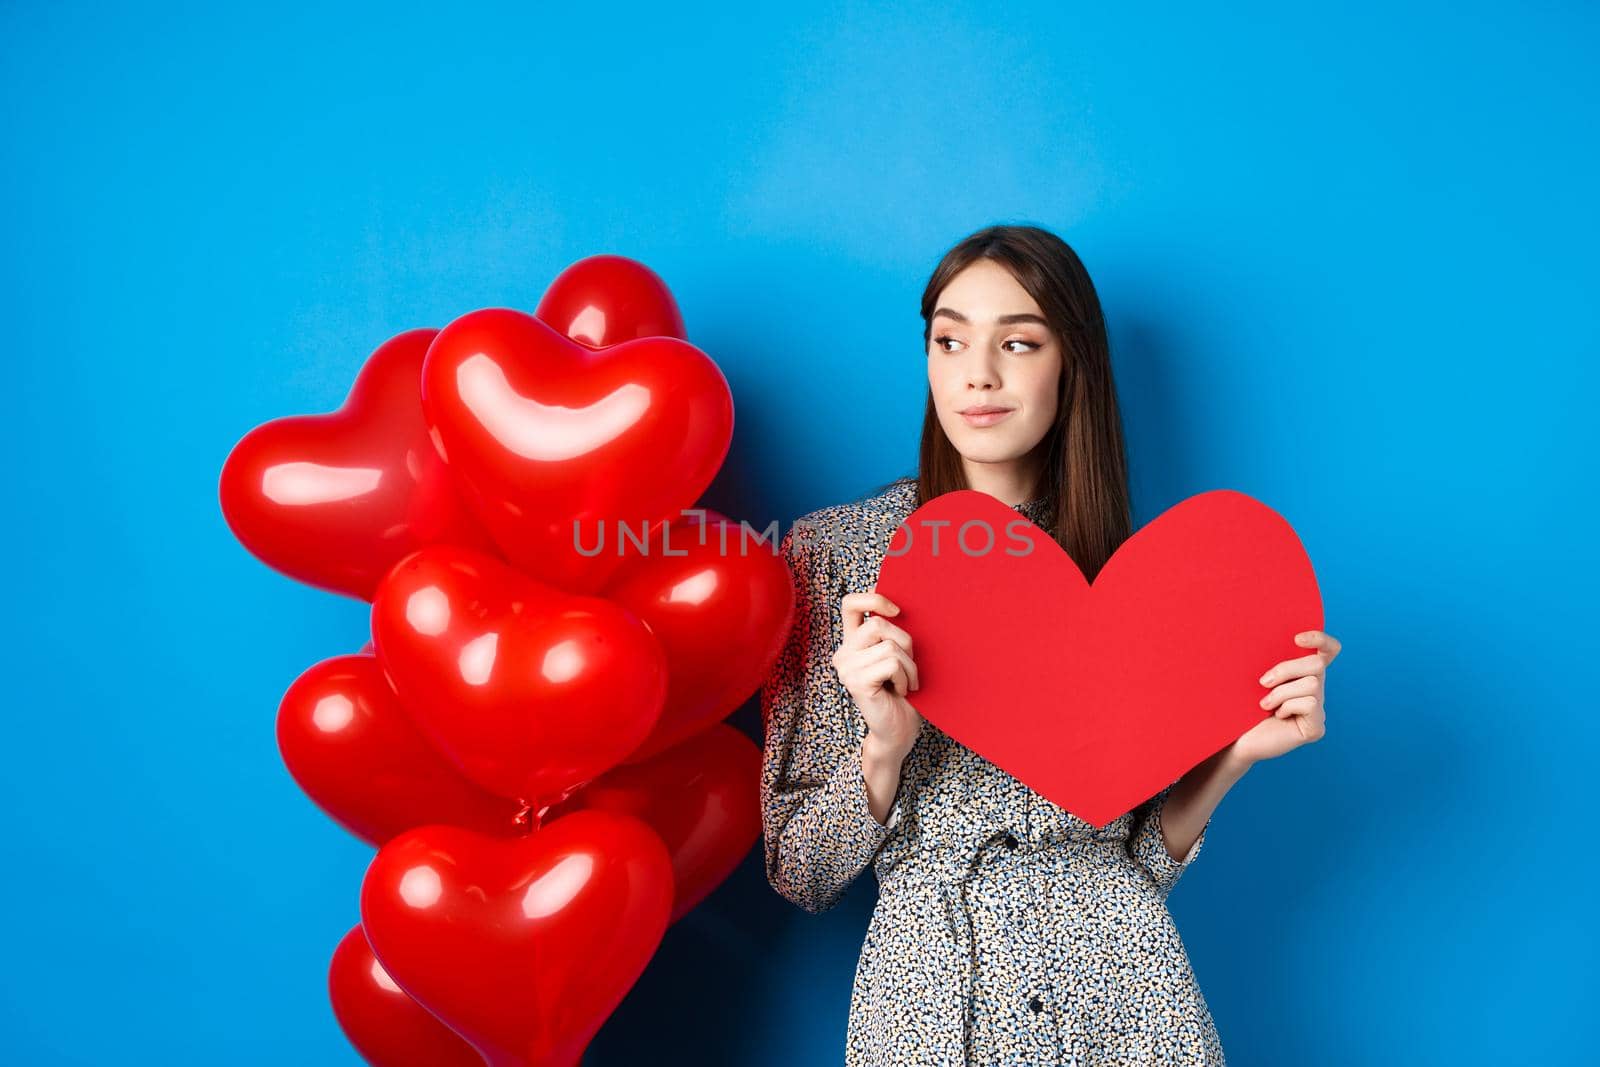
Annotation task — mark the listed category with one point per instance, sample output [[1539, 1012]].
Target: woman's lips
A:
[[987, 418]]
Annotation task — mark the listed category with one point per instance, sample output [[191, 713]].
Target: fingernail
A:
[[1266, 677]]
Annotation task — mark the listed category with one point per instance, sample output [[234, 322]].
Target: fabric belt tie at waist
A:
[[950, 883]]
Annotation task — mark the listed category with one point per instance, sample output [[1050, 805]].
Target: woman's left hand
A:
[[1295, 699]]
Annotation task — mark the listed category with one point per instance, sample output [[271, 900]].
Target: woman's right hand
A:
[[874, 663]]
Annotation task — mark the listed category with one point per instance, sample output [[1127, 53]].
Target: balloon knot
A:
[[527, 817]]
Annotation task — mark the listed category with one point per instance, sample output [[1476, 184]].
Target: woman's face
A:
[[989, 347]]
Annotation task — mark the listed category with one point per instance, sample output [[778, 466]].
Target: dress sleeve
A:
[[1148, 849], [819, 831]]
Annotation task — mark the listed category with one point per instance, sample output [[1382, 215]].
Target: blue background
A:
[[1348, 260]]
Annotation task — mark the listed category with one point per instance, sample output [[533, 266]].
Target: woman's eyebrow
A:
[[1003, 320]]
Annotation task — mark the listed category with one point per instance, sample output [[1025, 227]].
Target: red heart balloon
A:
[[524, 947], [529, 690], [604, 300], [720, 601], [556, 444], [350, 745], [1097, 697], [335, 500], [385, 1025], [701, 797]]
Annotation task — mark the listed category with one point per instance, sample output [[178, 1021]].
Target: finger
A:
[[910, 666], [906, 675], [1302, 708], [1293, 668], [854, 607], [879, 628], [1299, 687], [1320, 639], [898, 681], [887, 666]]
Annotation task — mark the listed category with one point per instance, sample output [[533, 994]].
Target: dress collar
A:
[[1038, 509]]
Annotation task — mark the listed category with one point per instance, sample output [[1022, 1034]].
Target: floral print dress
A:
[[1007, 930]]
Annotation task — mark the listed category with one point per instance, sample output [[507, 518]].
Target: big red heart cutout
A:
[[523, 947], [556, 443], [1097, 697]]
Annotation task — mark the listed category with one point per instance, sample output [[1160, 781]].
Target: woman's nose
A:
[[981, 372]]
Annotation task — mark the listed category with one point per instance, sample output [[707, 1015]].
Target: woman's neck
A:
[[1012, 484]]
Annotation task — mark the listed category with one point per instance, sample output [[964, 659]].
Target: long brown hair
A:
[[1085, 466]]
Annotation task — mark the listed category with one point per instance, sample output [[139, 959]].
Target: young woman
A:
[[1006, 929]]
